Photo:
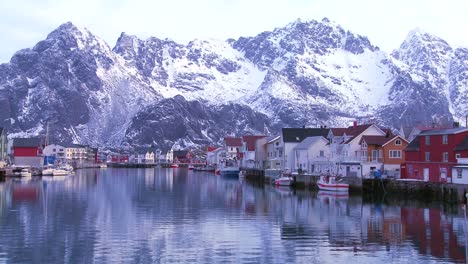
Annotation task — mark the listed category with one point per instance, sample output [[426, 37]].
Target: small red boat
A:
[[174, 165], [190, 167]]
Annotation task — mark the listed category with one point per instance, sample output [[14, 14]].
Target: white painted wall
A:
[[463, 179]]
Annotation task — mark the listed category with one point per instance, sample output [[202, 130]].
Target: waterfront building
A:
[[248, 151], [233, 147], [56, 152], [432, 154], [383, 152], [3, 144], [27, 152]]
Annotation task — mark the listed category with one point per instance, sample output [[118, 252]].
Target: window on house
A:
[[398, 142], [459, 173], [457, 156], [427, 156], [445, 139], [395, 154], [428, 140], [445, 157], [364, 145], [322, 153]]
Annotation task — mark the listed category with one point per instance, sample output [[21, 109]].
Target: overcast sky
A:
[[24, 22]]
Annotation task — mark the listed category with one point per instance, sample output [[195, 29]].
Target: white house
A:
[[346, 150], [460, 171], [248, 151], [75, 153], [313, 155], [143, 156], [291, 137], [261, 152], [56, 151], [215, 156], [233, 147], [274, 154]]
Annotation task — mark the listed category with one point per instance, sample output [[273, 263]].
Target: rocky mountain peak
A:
[[424, 51]]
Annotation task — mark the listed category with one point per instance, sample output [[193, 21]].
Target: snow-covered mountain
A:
[[157, 91]]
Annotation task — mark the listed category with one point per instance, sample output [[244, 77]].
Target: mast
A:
[[47, 135]]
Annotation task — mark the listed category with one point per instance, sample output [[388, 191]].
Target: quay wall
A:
[[371, 188]]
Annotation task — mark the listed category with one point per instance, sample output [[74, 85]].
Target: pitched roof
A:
[[250, 141], [143, 150], [449, 131], [233, 142], [26, 142], [463, 145], [180, 153], [72, 145], [413, 145], [210, 148], [338, 131], [375, 140], [299, 134], [356, 130], [393, 138], [309, 141]]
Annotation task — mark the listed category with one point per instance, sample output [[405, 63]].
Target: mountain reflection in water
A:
[[176, 215]]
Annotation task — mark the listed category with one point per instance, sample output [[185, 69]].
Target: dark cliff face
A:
[[187, 123], [306, 73]]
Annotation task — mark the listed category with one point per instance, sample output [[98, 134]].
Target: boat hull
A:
[[230, 172], [284, 181], [61, 173], [333, 187]]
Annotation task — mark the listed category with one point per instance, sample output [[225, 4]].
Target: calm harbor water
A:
[[179, 216]]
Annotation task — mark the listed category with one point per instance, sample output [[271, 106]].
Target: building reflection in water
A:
[[163, 215]]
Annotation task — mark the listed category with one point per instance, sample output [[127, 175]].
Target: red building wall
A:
[[26, 152], [415, 162]]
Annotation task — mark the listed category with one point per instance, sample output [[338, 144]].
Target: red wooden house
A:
[[119, 158], [432, 154], [27, 152], [182, 156]]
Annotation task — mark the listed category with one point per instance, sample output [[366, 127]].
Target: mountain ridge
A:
[[306, 73]]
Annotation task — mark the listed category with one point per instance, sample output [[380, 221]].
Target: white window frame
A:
[[364, 145], [459, 173], [427, 156], [445, 139], [444, 156], [398, 142], [394, 154], [457, 156]]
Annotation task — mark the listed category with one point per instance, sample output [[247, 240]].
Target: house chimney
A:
[[456, 124], [354, 124]]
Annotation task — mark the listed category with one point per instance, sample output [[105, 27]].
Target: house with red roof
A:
[[233, 147], [345, 147], [382, 152], [248, 151]]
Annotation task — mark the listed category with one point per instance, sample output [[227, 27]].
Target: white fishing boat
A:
[[230, 169], [332, 183], [47, 171], [60, 172], [103, 166], [25, 173], [284, 181]]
